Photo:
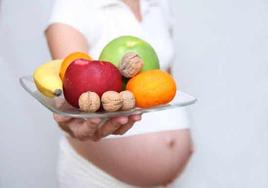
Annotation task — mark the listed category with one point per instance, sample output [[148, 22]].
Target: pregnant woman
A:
[[151, 159]]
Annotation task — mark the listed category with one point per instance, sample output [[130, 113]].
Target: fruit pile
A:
[[127, 75]]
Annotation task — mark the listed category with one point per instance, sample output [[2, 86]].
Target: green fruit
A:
[[124, 83], [117, 48]]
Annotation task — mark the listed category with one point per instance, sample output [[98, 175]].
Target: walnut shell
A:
[[128, 100], [111, 101], [89, 102], [130, 65]]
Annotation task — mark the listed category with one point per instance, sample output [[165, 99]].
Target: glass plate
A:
[[59, 106]]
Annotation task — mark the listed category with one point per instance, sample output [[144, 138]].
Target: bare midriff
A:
[[142, 160]]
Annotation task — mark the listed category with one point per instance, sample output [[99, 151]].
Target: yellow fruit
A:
[[47, 80], [69, 59], [152, 88]]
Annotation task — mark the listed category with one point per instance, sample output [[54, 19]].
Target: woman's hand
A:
[[92, 129], [95, 128]]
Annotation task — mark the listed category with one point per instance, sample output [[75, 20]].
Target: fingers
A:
[[59, 102], [124, 128], [120, 120], [95, 120], [136, 117], [84, 129], [92, 129], [61, 119], [79, 128], [63, 122], [111, 126]]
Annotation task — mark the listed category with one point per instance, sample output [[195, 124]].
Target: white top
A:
[[100, 21]]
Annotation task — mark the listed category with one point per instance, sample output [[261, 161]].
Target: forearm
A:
[[63, 40]]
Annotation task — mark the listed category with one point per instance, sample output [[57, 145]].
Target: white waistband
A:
[[75, 171]]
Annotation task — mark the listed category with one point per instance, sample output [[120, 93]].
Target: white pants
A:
[[76, 172]]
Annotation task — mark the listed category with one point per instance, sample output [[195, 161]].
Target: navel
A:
[[171, 143]]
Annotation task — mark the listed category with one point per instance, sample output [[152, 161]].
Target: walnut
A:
[[128, 100], [111, 101], [130, 65], [89, 102]]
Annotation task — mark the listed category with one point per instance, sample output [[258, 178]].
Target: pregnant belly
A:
[[143, 160]]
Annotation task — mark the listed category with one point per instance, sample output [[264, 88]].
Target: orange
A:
[[69, 59], [152, 88]]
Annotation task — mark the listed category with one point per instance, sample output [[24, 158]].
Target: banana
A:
[[47, 80]]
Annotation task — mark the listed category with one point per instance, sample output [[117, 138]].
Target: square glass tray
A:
[[60, 106]]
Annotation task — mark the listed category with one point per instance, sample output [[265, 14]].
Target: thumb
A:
[[61, 119]]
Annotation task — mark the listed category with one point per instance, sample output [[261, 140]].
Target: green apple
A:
[[115, 50]]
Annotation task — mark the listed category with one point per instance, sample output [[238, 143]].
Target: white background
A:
[[222, 59]]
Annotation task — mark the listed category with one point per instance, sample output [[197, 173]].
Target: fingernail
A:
[[95, 121], [123, 120], [60, 118], [137, 118]]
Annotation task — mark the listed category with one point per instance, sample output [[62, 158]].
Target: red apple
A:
[[84, 75]]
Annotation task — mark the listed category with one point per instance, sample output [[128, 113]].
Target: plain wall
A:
[[28, 135], [222, 59], [222, 50]]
